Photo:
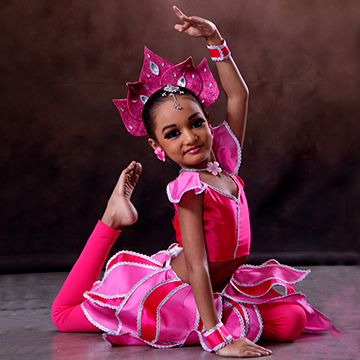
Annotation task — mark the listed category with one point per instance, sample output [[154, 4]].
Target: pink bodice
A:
[[225, 217]]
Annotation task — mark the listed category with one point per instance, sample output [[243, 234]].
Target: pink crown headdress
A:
[[156, 73]]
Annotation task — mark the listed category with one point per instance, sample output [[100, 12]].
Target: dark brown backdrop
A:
[[63, 62]]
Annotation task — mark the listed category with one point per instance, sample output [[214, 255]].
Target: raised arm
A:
[[231, 80]]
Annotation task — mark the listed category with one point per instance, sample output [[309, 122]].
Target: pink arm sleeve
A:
[[66, 310]]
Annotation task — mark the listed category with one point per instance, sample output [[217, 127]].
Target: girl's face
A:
[[183, 134]]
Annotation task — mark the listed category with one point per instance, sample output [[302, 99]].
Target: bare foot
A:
[[120, 211]]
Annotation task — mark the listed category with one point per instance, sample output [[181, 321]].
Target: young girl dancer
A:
[[197, 291]]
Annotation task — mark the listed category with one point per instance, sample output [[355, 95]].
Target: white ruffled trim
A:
[[266, 264], [140, 309], [100, 303], [172, 252], [261, 326], [171, 344], [176, 201], [238, 146], [244, 325], [165, 345], [92, 321], [228, 339], [238, 219], [252, 302], [118, 308], [98, 283], [270, 278], [216, 327], [221, 308], [232, 197], [219, 48], [162, 303], [247, 319], [129, 252], [139, 283], [263, 294]]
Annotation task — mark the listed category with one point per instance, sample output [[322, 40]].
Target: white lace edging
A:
[[238, 146], [243, 327], [176, 201], [232, 197], [162, 303], [266, 263], [153, 288], [261, 326], [238, 222], [129, 252], [92, 321]]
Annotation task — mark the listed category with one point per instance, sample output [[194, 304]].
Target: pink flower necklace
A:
[[212, 167]]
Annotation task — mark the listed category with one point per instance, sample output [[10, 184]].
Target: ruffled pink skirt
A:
[[140, 300]]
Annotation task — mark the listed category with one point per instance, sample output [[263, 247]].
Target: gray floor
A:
[[26, 330]]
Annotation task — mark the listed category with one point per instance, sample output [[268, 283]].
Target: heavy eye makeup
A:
[[175, 132], [197, 122], [171, 134]]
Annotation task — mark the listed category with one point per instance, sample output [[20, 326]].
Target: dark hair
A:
[[149, 111]]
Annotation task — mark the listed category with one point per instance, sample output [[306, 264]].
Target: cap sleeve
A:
[[227, 148], [185, 182]]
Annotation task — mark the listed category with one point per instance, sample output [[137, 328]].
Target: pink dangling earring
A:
[[160, 154], [211, 130]]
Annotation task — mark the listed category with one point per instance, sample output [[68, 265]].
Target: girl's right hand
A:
[[242, 348], [120, 211], [197, 26]]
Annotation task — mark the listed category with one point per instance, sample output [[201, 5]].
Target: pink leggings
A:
[[282, 322]]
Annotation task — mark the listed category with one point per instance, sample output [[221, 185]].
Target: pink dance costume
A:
[[140, 300]]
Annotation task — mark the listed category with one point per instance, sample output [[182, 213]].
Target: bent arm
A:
[[236, 91], [190, 218], [231, 80]]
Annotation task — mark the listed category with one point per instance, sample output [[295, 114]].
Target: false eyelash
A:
[[171, 134]]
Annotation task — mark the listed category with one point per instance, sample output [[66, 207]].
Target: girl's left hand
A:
[[195, 25], [243, 347]]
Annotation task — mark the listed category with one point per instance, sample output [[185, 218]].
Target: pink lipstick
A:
[[193, 150]]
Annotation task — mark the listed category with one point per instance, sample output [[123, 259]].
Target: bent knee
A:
[[58, 317], [282, 322], [296, 323], [71, 319]]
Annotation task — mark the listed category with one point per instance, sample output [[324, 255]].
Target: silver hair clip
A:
[[172, 90]]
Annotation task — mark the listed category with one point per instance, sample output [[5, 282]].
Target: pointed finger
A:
[[179, 13], [188, 20]]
